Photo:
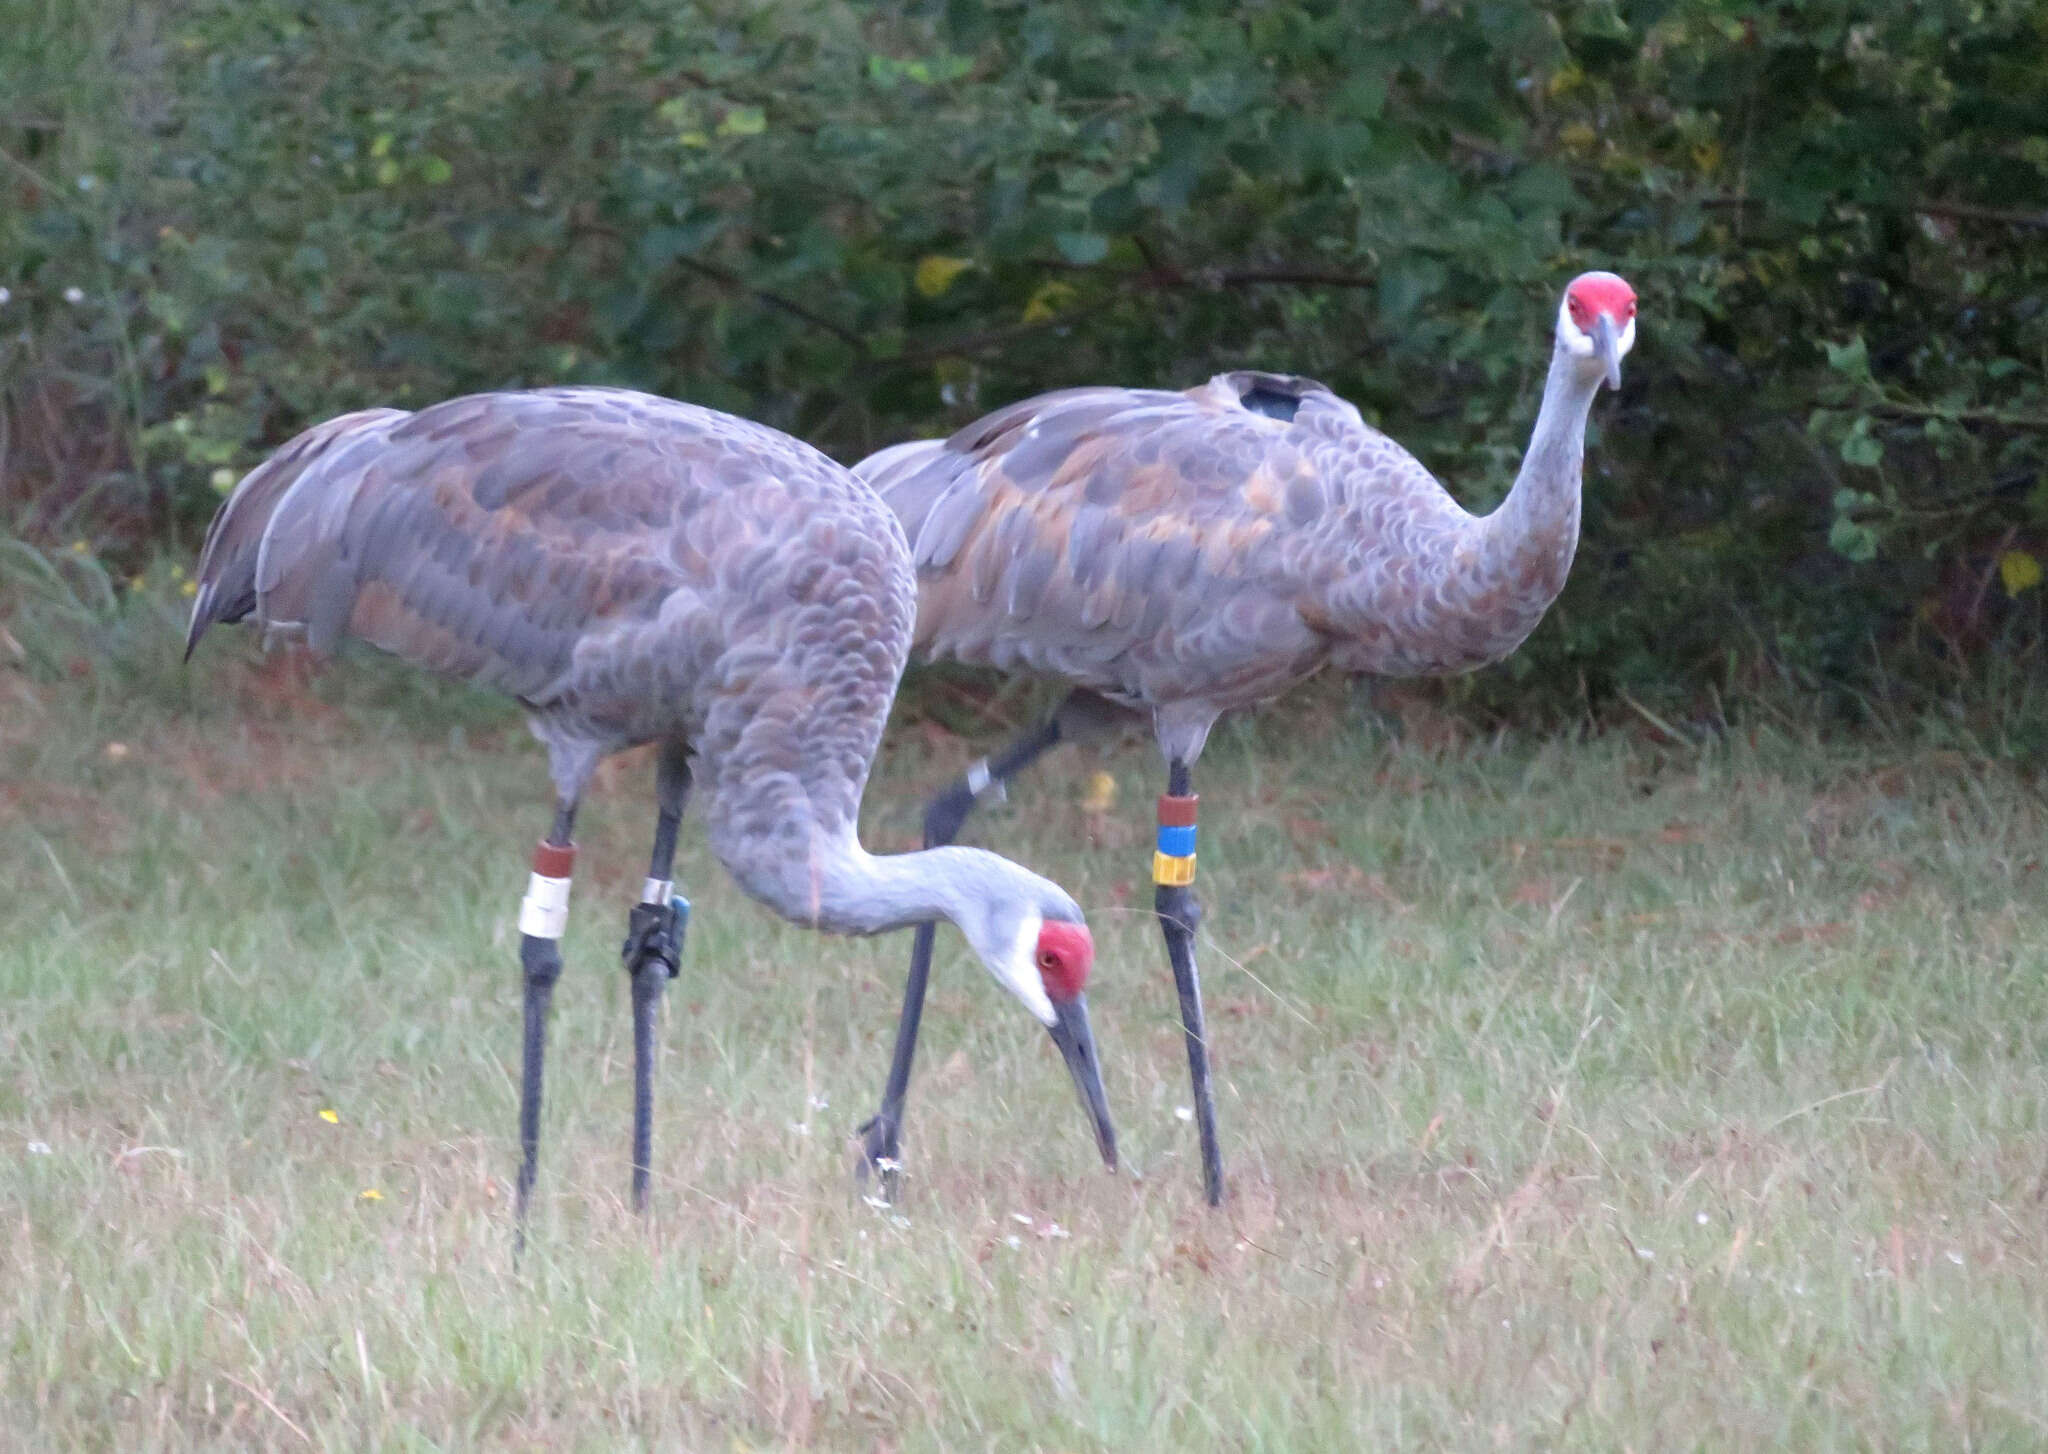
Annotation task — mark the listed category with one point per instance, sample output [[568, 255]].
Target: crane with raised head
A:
[[1184, 554], [633, 571]]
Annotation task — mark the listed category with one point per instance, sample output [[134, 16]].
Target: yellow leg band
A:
[[1167, 869]]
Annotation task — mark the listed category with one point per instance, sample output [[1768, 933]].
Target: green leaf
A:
[[1851, 359], [1860, 447], [1082, 249], [1852, 540]]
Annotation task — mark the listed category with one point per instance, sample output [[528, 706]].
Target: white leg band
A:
[[980, 780], [544, 912], [657, 891]]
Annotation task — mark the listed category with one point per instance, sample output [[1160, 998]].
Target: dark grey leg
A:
[[1173, 869], [653, 949], [541, 919], [943, 817]]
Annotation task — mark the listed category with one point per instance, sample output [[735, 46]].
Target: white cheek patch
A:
[[1580, 342], [1020, 971], [1576, 339]]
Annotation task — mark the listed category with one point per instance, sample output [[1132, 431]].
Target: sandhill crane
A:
[[1184, 554], [635, 570]]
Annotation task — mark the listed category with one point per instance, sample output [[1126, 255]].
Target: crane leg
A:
[[652, 952], [542, 917], [1173, 871], [881, 1134]]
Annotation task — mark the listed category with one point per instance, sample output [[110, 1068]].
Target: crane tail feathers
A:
[[228, 588]]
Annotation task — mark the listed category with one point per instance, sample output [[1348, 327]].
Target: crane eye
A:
[[1048, 960]]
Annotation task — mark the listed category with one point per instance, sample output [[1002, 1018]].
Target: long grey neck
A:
[[821, 876], [1443, 592], [870, 893], [1528, 543]]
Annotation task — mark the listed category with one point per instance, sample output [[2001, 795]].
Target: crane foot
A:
[[879, 1161]]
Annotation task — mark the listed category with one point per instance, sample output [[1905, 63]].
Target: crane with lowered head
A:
[[635, 570]]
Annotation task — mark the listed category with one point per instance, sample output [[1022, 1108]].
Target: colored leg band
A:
[[657, 891], [1174, 863], [980, 782], [544, 912]]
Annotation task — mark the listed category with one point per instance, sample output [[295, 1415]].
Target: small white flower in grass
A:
[[74, 296], [6, 296], [1701, 1218], [1956, 1258], [39, 1148], [1184, 1113], [1021, 1218], [1053, 1230], [1648, 1254], [1013, 1241], [87, 182]]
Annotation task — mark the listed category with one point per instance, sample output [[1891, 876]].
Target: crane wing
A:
[[1077, 531], [482, 537]]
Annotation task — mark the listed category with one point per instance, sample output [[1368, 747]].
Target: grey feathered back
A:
[[1209, 547], [630, 568]]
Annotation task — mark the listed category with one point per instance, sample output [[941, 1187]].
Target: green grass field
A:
[[1576, 1094]]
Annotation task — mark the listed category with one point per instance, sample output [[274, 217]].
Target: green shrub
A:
[[862, 222]]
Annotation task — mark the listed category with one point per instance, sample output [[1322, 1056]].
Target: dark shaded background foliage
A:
[[221, 220]]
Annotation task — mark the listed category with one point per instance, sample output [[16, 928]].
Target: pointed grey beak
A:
[[1605, 338], [1071, 1032]]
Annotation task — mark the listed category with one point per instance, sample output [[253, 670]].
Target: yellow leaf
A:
[[369, 1194], [936, 273], [2019, 571], [331, 1116], [744, 121], [1101, 794], [1048, 301]]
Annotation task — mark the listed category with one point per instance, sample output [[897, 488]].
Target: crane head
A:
[[1043, 956], [1065, 955], [1597, 321]]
